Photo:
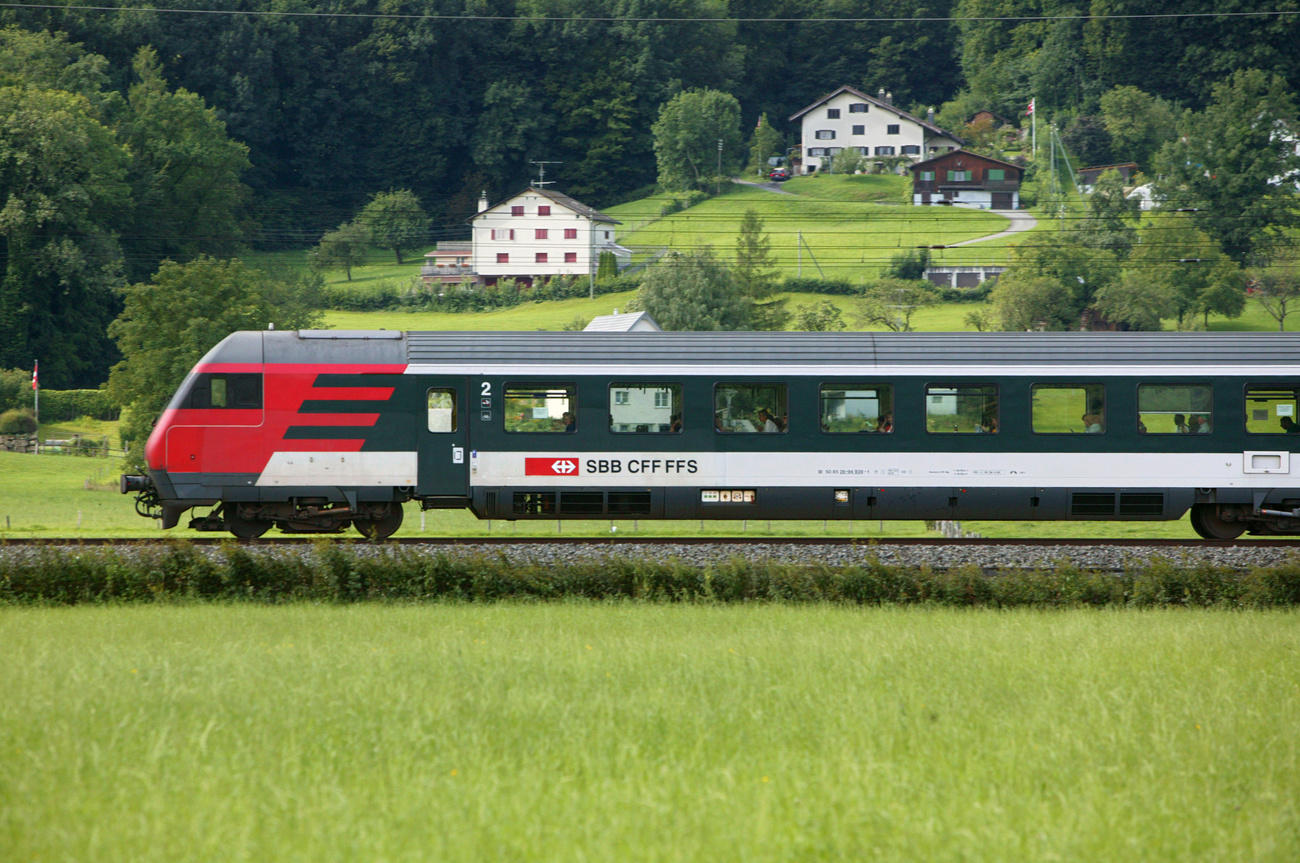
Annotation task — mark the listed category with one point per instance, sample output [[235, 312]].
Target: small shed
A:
[[629, 322]]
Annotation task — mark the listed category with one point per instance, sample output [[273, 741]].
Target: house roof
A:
[[942, 156], [880, 104], [558, 198]]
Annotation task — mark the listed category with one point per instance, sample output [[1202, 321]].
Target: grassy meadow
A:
[[647, 732]]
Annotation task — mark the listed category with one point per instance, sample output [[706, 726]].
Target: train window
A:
[[442, 410], [541, 407], [1068, 408], [237, 391], [749, 408], [1175, 409], [853, 408], [1272, 409], [961, 409], [645, 407]]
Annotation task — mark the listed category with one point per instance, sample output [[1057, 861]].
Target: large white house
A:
[[539, 233], [871, 125]]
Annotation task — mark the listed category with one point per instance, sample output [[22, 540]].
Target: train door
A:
[[444, 457]]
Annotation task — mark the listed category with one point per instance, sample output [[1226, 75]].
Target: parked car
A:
[[779, 174]]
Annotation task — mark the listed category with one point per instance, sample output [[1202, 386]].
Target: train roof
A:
[[592, 352]]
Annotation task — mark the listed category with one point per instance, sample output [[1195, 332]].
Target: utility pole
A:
[[717, 180]]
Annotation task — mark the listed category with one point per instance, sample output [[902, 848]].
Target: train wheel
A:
[[1207, 522], [244, 528], [382, 527]]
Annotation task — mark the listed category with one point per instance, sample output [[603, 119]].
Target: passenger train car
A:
[[313, 431]]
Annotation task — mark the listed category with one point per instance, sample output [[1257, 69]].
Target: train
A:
[[319, 431]]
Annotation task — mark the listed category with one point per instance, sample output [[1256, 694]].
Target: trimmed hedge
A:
[[503, 294], [63, 405], [329, 572]]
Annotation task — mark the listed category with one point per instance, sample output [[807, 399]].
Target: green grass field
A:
[[825, 228], [647, 732]]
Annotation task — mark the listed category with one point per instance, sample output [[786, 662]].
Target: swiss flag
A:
[[556, 465]]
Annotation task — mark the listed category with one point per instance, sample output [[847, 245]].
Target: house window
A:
[[891, 129], [884, 151], [866, 151], [927, 176], [859, 130], [832, 113], [570, 233], [834, 151], [570, 257], [816, 151], [540, 258], [997, 174], [503, 233], [543, 210], [607, 235], [1175, 408], [858, 108], [959, 176], [503, 257], [825, 135], [539, 234], [517, 211], [911, 150]]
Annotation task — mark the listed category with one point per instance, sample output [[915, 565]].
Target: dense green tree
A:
[[62, 184], [1193, 273], [1277, 287], [822, 317], [1111, 219], [1139, 124], [697, 138], [1225, 167], [1026, 301], [764, 144], [695, 291], [756, 274], [345, 247], [891, 302], [395, 220], [168, 323], [1135, 300], [185, 174]]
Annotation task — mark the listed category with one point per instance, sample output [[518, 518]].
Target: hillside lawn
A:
[[647, 732]]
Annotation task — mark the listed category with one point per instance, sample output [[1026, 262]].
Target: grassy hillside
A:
[[834, 227]]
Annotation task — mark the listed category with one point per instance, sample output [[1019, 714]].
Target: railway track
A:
[[624, 541]]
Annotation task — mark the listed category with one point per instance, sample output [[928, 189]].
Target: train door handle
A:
[[458, 455]]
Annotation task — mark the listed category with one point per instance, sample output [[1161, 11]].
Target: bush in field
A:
[[15, 389], [18, 421], [329, 572]]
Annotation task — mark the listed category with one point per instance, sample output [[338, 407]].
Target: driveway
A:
[[1020, 221]]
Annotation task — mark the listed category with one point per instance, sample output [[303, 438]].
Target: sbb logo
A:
[[563, 465]]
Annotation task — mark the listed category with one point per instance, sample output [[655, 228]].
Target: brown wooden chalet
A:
[[965, 179]]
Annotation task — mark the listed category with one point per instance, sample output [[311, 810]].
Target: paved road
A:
[[1020, 221]]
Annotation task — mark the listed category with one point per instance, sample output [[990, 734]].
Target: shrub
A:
[[17, 421], [62, 405]]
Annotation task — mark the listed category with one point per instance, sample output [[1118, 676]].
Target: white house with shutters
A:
[[848, 119], [540, 233]]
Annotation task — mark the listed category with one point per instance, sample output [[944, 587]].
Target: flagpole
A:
[[36, 400], [1033, 113]]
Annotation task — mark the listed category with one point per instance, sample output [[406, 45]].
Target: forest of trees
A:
[[192, 133]]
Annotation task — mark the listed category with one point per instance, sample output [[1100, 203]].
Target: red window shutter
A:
[[543, 210], [517, 211], [539, 234], [570, 233], [503, 257], [570, 257], [541, 257]]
